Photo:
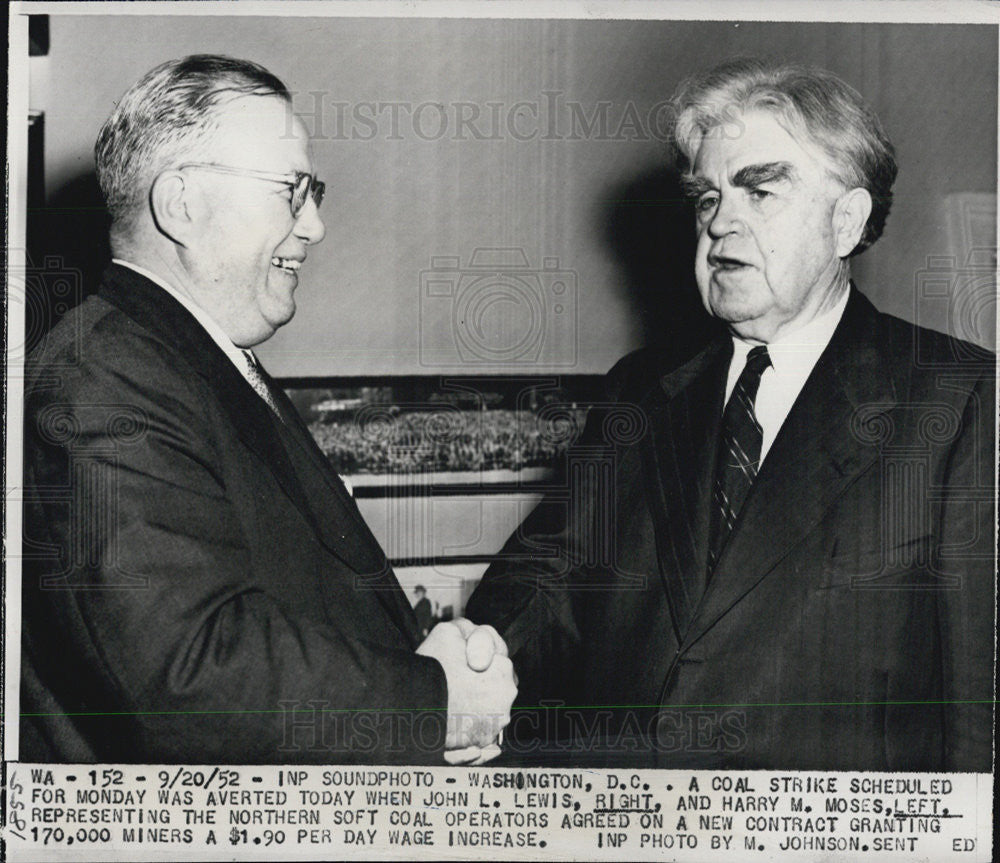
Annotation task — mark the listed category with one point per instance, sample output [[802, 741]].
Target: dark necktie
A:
[[739, 452]]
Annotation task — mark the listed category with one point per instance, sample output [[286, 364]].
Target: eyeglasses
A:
[[302, 185]]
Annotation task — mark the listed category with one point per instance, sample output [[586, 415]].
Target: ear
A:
[[172, 200], [850, 215]]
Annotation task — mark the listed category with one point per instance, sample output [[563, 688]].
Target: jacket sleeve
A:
[[144, 611], [542, 589]]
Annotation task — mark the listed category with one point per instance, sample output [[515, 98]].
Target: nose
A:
[[309, 226], [726, 218]]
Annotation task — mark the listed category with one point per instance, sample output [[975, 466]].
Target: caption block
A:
[[102, 812]]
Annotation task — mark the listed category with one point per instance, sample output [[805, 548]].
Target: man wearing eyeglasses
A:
[[198, 584]]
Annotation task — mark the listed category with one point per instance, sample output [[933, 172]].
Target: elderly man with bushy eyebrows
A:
[[790, 564]]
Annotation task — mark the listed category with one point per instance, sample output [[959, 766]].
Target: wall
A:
[[591, 201]]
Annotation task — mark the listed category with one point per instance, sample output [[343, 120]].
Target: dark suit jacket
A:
[[849, 621], [194, 571]]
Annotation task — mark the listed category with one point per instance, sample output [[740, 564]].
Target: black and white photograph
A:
[[450, 397]]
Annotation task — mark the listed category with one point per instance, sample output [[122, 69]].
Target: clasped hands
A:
[[481, 687]]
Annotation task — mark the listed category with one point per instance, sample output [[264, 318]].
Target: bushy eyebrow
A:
[[747, 177], [694, 187], [751, 176]]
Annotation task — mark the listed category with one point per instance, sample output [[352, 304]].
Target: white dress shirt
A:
[[793, 357], [237, 355]]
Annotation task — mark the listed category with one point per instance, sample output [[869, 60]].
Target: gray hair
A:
[[168, 113], [811, 104]]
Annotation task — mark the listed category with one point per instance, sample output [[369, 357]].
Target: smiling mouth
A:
[[289, 265]]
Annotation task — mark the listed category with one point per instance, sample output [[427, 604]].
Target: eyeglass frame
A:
[[314, 189]]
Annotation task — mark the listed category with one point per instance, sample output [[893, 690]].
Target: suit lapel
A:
[[678, 457], [303, 439], [155, 310], [817, 454], [367, 557]]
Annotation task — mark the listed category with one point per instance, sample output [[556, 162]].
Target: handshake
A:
[[481, 687]]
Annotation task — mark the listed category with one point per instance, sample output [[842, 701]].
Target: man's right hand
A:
[[480, 677]]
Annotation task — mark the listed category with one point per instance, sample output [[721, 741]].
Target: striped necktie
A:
[[739, 452], [255, 377]]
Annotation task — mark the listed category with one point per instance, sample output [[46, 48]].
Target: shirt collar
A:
[[801, 347], [207, 322]]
